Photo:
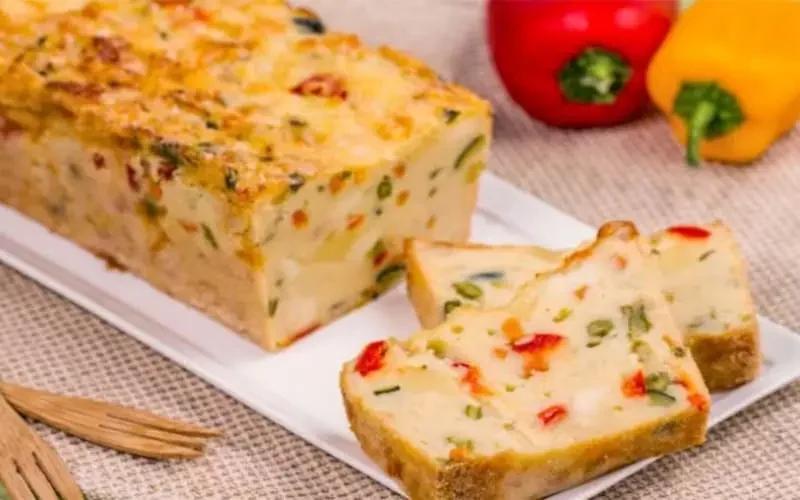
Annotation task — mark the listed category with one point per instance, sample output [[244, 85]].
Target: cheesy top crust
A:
[[248, 99]]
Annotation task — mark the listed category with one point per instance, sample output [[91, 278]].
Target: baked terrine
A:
[[235, 154]]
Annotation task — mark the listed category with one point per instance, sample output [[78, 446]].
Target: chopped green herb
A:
[[386, 390], [599, 328], [273, 307], [660, 398], [385, 188], [638, 323], [450, 115], [168, 151], [473, 412], [296, 181], [616, 408], [309, 25], [563, 314], [712, 313], [705, 255], [594, 343], [298, 127], [151, 208], [212, 125], [390, 274], [437, 346], [509, 426], [451, 305], [209, 236], [469, 149], [231, 179], [492, 332], [488, 276], [75, 171], [468, 289], [510, 388], [377, 249], [642, 350], [461, 443], [655, 251], [679, 351], [696, 323], [658, 381], [432, 192], [745, 318], [434, 173]]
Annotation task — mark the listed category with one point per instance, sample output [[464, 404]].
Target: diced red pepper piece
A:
[[634, 385], [380, 258], [202, 15], [552, 415], [299, 219], [539, 342], [371, 358], [691, 232], [354, 221], [472, 377], [322, 85], [698, 401], [133, 181], [619, 262]]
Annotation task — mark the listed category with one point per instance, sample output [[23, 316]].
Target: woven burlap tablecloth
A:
[[631, 172]]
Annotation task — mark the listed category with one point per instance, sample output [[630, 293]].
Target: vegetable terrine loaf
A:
[[234, 154], [703, 278], [524, 400]]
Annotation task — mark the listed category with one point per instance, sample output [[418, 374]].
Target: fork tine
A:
[[56, 471], [13, 481], [126, 442], [36, 479], [197, 443], [23, 397], [89, 428]]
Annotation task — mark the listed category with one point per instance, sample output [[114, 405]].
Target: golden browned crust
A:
[[729, 359], [512, 475]]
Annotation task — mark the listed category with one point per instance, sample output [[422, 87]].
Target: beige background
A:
[[629, 172]]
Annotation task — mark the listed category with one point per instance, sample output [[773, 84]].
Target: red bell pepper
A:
[[577, 63]]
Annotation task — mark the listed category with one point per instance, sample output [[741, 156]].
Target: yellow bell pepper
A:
[[728, 77]]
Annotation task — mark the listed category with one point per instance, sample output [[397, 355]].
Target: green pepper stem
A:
[[709, 112], [697, 126], [595, 76]]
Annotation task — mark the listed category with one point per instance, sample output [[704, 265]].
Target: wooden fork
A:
[[29, 467], [114, 426]]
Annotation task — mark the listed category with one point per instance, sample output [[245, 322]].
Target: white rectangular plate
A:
[[270, 383]]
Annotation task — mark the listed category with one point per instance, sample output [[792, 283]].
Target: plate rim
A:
[[497, 197]]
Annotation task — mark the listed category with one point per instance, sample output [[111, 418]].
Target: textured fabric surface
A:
[[631, 172]]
